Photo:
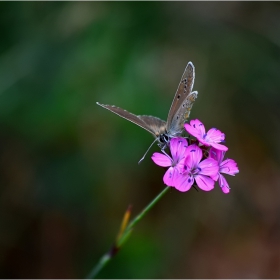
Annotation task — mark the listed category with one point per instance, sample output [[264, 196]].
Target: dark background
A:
[[68, 168]]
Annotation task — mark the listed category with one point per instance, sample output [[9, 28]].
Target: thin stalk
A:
[[141, 215], [124, 236]]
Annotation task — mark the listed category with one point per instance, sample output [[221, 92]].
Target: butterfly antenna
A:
[[147, 151]]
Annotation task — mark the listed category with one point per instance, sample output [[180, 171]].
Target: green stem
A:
[[108, 256], [140, 216], [102, 262]]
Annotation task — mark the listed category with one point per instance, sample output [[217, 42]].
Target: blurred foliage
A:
[[68, 168]]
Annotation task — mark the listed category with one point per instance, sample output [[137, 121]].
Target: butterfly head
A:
[[163, 140]]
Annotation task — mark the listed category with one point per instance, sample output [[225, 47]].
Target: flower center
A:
[[195, 171]]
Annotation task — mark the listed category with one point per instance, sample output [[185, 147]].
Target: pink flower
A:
[[228, 166], [211, 138], [178, 148], [194, 170]]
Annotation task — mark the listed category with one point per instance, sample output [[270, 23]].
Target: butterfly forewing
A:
[[152, 124], [182, 102]]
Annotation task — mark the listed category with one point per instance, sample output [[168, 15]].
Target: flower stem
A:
[[141, 215], [125, 235]]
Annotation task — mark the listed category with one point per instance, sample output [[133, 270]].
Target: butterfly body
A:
[[178, 113]]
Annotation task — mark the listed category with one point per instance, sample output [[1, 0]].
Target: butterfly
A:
[[179, 111]]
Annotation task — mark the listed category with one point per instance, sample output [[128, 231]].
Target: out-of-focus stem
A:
[[124, 236]]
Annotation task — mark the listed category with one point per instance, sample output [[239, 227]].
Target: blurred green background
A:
[[68, 168]]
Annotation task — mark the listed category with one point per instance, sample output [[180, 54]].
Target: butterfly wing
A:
[[182, 102], [155, 124], [152, 124]]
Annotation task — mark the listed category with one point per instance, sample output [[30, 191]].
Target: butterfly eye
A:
[[163, 138]]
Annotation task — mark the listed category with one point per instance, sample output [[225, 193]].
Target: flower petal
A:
[[168, 177], [229, 166], [219, 147], [181, 165], [209, 167], [184, 182], [223, 184], [194, 132], [215, 135], [161, 160], [195, 128], [203, 141], [178, 148], [218, 155], [193, 157], [204, 182]]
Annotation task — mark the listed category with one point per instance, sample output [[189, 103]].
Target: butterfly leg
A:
[[164, 152]]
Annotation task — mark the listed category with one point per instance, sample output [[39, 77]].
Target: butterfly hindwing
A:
[[182, 114]]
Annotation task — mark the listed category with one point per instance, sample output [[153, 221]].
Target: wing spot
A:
[[178, 96]]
